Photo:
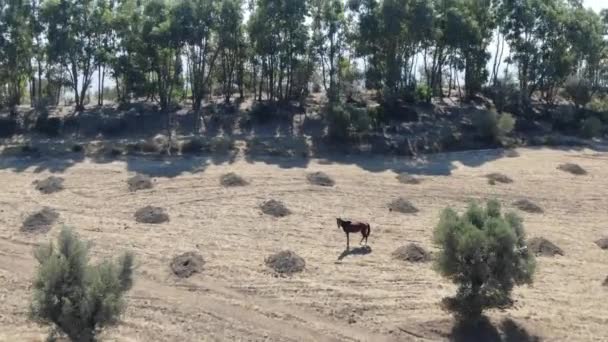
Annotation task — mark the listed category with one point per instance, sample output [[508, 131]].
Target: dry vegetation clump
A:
[[41, 221], [602, 243], [186, 264], [275, 208], [49, 185], [406, 178], [139, 182], [544, 247], [528, 206], [403, 206], [496, 177], [511, 154], [193, 146], [574, 169], [232, 179], [320, 179], [286, 262], [412, 253], [151, 215]]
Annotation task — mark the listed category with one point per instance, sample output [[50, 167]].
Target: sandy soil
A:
[[358, 298]]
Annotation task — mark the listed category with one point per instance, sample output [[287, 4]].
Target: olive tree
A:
[[76, 298], [483, 252]]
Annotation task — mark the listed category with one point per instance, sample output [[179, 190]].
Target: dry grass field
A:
[[357, 297]]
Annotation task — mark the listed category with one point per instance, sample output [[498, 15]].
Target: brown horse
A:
[[354, 227]]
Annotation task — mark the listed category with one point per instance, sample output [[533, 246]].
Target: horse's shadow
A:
[[363, 250]]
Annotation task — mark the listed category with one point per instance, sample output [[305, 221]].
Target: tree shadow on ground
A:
[[484, 331], [363, 250], [171, 167], [441, 164], [285, 152]]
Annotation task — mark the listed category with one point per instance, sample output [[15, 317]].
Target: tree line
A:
[[276, 50]]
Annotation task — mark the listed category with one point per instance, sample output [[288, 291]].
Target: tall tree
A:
[[73, 42]]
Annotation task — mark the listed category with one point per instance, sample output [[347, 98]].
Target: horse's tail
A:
[[368, 230]]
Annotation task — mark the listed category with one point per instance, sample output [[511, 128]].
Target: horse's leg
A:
[[362, 238], [347, 242]]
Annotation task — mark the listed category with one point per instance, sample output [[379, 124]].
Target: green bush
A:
[[599, 105], [485, 254], [76, 298], [338, 122], [491, 126], [423, 93], [506, 124], [592, 127]]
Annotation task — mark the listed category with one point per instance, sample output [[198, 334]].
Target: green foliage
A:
[[599, 105], [75, 297], [485, 254], [423, 93], [338, 122], [592, 127], [492, 126]]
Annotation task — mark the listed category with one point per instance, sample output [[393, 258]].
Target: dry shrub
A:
[[232, 179], [139, 182], [407, 179], [572, 168], [186, 264], [40, 222], [511, 154], [412, 253], [151, 215], [403, 206], [320, 179], [528, 206], [193, 146], [49, 185], [602, 243], [496, 177], [286, 262], [275, 208], [544, 247]]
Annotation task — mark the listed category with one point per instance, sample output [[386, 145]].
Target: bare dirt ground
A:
[[369, 297]]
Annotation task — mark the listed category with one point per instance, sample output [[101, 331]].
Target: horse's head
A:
[[339, 221]]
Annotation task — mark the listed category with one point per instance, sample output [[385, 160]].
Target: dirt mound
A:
[[407, 179], [286, 262], [412, 253], [494, 178], [574, 169], [49, 185], [275, 208], [150, 214], [185, 265], [232, 179], [139, 182], [403, 206], [41, 221], [320, 179], [602, 243], [544, 247], [528, 206]]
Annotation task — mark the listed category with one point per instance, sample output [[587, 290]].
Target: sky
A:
[[596, 4]]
